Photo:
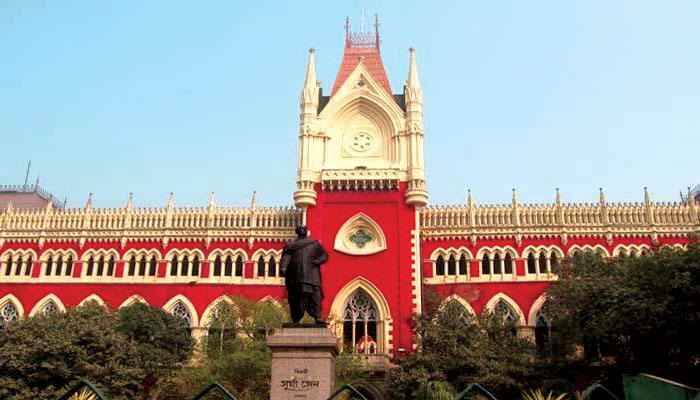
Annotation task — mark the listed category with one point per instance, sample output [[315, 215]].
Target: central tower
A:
[[361, 137], [360, 183]]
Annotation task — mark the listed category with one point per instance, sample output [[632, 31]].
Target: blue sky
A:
[[166, 96]]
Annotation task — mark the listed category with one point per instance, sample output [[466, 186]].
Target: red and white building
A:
[[361, 191]]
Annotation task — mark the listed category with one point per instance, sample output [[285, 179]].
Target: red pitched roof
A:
[[372, 61]]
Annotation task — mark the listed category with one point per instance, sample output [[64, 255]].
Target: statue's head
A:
[[302, 231]]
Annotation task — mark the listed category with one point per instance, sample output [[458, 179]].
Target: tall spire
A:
[[309, 94], [413, 80], [311, 69]]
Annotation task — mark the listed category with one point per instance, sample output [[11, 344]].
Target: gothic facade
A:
[[361, 191]]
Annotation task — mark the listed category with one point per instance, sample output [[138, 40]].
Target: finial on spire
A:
[[88, 203], [170, 203], [376, 30], [130, 202], [212, 200], [348, 40], [514, 199], [412, 81], [558, 198], [602, 196], [647, 196], [9, 206], [470, 198], [254, 200], [310, 79]]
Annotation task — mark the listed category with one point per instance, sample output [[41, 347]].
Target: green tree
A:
[[163, 341], [641, 313], [44, 355], [459, 348]]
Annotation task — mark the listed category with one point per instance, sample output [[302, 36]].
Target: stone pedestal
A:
[[302, 362]]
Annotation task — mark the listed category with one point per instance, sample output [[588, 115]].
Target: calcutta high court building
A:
[[361, 190]]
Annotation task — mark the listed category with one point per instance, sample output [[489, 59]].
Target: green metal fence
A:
[[347, 392], [215, 386]]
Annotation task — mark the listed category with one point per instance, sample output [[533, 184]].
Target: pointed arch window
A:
[[553, 262], [497, 264], [59, 265], [153, 266], [8, 314], [142, 266], [110, 266], [508, 264], [543, 327], [440, 266], [360, 324], [195, 266], [542, 263], [173, 265], [132, 266], [228, 266], [90, 266], [217, 266], [69, 266], [505, 313], [28, 268], [485, 265], [185, 267], [179, 310], [272, 266], [531, 264], [49, 309], [261, 267], [8, 265], [239, 266], [451, 265], [463, 265], [100, 266], [49, 266]]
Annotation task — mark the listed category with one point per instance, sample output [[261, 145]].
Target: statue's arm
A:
[[322, 255], [286, 257]]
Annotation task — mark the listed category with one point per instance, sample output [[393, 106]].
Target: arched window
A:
[[239, 266], [153, 266], [485, 267], [142, 266], [18, 266], [173, 266], [497, 264], [49, 309], [49, 266], [622, 253], [132, 266], [543, 263], [505, 312], [90, 266], [272, 267], [554, 262], [195, 266], [217, 266], [531, 264], [543, 327], [508, 264], [110, 266], [59, 265], [28, 269], [8, 314], [261, 267], [180, 311], [451, 265], [440, 266], [463, 265], [100, 266], [360, 317], [8, 265], [185, 267], [69, 266], [228, 266]]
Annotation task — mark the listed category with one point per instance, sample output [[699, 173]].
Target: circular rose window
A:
[[361, 142]]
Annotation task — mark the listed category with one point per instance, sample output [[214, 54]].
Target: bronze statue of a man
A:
[[301, 266]]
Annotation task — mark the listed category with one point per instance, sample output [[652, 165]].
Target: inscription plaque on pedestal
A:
[[302, 363]]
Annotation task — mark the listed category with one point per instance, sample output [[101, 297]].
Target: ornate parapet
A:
[[360, 179], [168, 223], [523, 220]]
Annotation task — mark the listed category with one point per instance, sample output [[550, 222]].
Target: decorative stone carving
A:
[[360, 236]]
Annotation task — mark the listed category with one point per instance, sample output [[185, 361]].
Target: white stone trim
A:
[[131, 300], [587, 247], [92, 297], [209, 311], [502, 296], [10, 298], [532, 315], [360, 221], [194, 323], [460, 300], [45, 301]]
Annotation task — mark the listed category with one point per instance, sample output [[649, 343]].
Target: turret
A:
[[305, 194], [416, 194]]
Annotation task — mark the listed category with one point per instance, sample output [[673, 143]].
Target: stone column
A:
[[302, 362]]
